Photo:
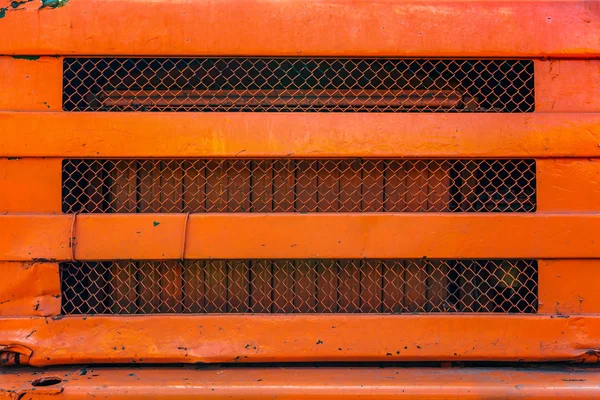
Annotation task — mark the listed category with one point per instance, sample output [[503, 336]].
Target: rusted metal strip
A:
[[312, 135], [251, 99], [293, 27]]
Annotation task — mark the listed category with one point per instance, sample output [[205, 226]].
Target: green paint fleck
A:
[[47, 105], [3, 12], [156, 223], [53, 3], [30, 58]]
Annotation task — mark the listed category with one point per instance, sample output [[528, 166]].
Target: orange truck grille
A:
[[299, 286], [289, 182], [294, 185], [297, 85]]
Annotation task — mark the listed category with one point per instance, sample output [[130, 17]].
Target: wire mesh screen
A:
[[287, 185], [299, 286], [297, 85]]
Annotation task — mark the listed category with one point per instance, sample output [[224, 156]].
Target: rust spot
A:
[[43, 260]]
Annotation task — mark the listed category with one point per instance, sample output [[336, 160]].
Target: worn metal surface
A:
[[29, 289], [296, 28], [566, 124], [303, 337], [287, 235], [28, 83], [567, 85], [301, 383], [272, 135]]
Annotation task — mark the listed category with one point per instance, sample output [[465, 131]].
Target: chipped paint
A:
[[14, 6], [29, 58], [53, 3], [17, 4]]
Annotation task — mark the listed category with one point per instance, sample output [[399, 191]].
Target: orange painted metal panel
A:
[[295, 27], [35, 238], [389, 236], [139, 236], [304, 383], [569, 286], [567, 86], [30, 185], [299, 135], [293, 338], [31, 83], [227, 236], [568, 185], [29, 289]]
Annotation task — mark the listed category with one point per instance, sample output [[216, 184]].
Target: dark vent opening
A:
[[297, 85], [294, 185], [300, 286]]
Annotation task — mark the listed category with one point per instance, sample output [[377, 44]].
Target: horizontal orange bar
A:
[[297, 28], [299, 135], [230, 236], [399, 236], [302, 338], [303, 383]]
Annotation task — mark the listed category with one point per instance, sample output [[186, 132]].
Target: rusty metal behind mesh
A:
[[307, 185], [297, 85], [299, 286]]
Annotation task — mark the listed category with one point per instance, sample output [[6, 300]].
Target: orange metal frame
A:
[[563, 135], [299, 383]]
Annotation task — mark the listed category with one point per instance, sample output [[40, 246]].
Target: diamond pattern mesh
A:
[[284, 185], [297, 85], [299, 286]]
